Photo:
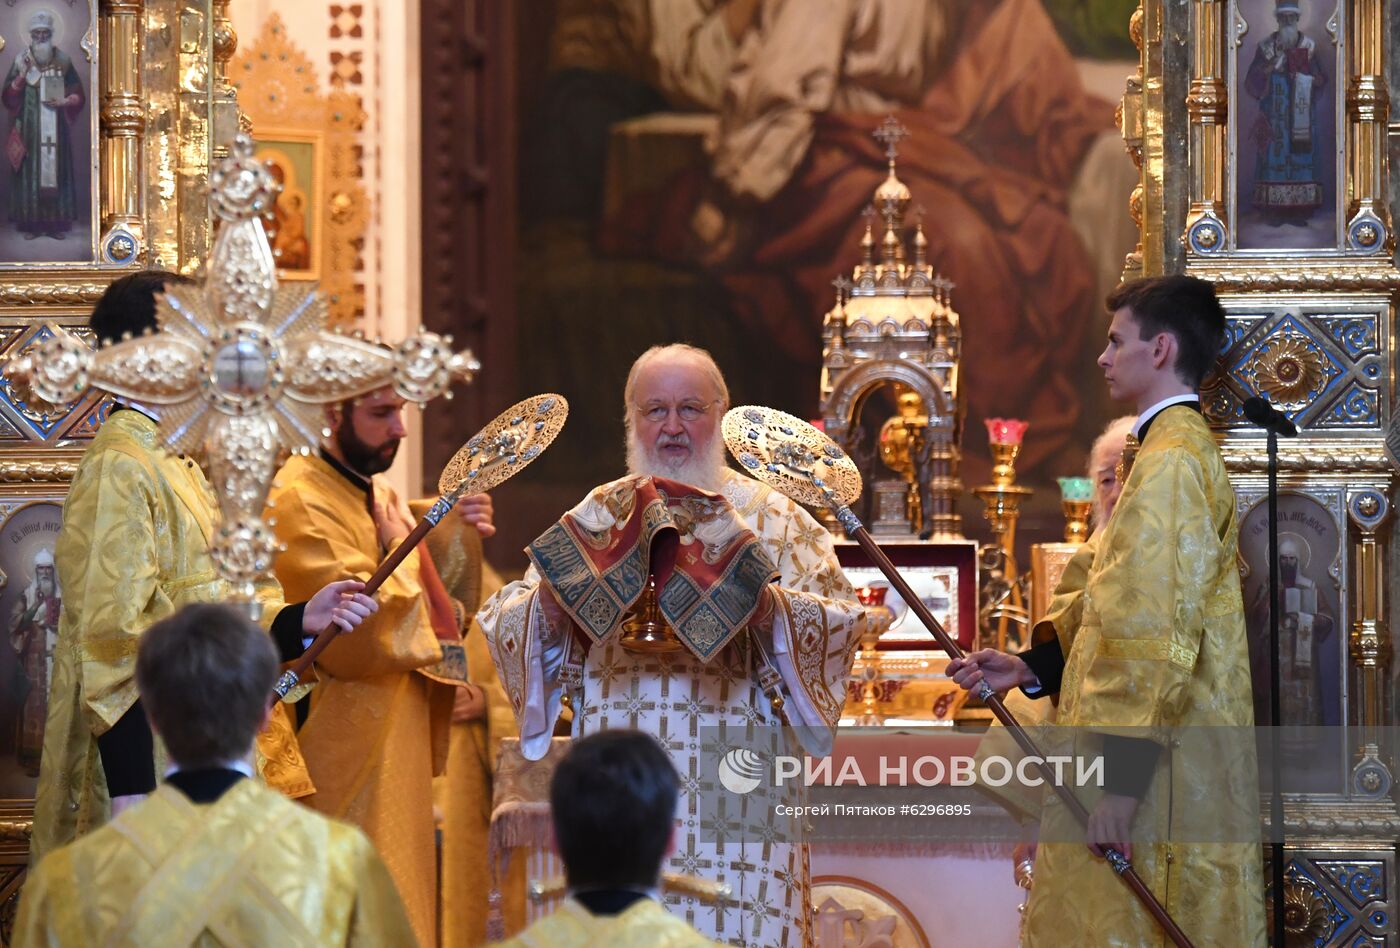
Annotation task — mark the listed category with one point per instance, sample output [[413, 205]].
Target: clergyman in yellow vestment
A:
[[481, 719], [612, 801], [379, 724], [1155, 676], [212, 858], [134, 548]]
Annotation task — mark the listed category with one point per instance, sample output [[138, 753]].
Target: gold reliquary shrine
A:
[[891, 348], [890, 397]]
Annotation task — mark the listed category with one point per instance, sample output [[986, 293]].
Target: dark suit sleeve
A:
[[128, 754], [1047, 663], [1129, 763], [288, 633]]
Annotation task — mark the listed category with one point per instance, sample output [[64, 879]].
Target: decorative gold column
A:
[[195, 119], [1130, 127], [1368, 110], [1369, 511], [225, 98], [1156, 130], [123, 125], [1207, 109]]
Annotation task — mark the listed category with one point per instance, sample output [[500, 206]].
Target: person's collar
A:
[[242, 766], [354, 477], [1145, 418], [607, 901]]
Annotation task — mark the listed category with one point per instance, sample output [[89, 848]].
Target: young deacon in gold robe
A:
[[212, 857], [612, 799], [133, 549], [379, 722], [1155, 673]]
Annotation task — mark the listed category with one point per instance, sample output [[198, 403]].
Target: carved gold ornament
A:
[[790, 456], [1307, 913], [1289, 370], [280, 95], [240, 369], [504, 447]]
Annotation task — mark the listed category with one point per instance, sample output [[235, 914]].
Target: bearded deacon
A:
[[744, 641]]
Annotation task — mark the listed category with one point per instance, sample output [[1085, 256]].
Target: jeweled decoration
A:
[[241, 369]]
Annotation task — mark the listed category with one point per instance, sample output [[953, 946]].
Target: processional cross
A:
[[890, 133], [241, 368]]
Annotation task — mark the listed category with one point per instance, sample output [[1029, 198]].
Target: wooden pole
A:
[[326, 636]]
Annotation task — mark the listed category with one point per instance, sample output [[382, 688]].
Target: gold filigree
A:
[[1135, 26], [1248, 461], [50, 294], [37, 472], [240, 370], [1300, 280], [1289, 369], [279, 93], [504, 447], [17, 830], [790, 456]]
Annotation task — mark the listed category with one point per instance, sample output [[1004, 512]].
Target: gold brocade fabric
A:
[[1160, 651], [465, 791], [250, 869], [134, 549], [644, 924], [378, 730]]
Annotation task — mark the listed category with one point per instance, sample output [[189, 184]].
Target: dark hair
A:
[[205, 675], [129, 304], [614, 803], [1183, 306]]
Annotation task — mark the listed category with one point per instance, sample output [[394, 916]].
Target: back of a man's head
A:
[[205, 675], [1185, 307], [128, 307], [614, 805]]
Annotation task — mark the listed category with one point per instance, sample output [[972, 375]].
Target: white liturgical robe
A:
[[689, 705]]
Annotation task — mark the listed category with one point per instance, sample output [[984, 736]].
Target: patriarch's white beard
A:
[[703, 469]]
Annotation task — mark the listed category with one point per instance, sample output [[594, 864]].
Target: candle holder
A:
[[878, 618], [1001, 501], [1076, 499]]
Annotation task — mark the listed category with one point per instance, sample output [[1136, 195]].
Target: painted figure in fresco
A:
[[1287, 78], [1305, 634], [43, 96], [998, 123], [33, 631]]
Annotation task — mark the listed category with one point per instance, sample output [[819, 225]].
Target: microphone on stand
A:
[[1266, 416], [1277, 424]]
